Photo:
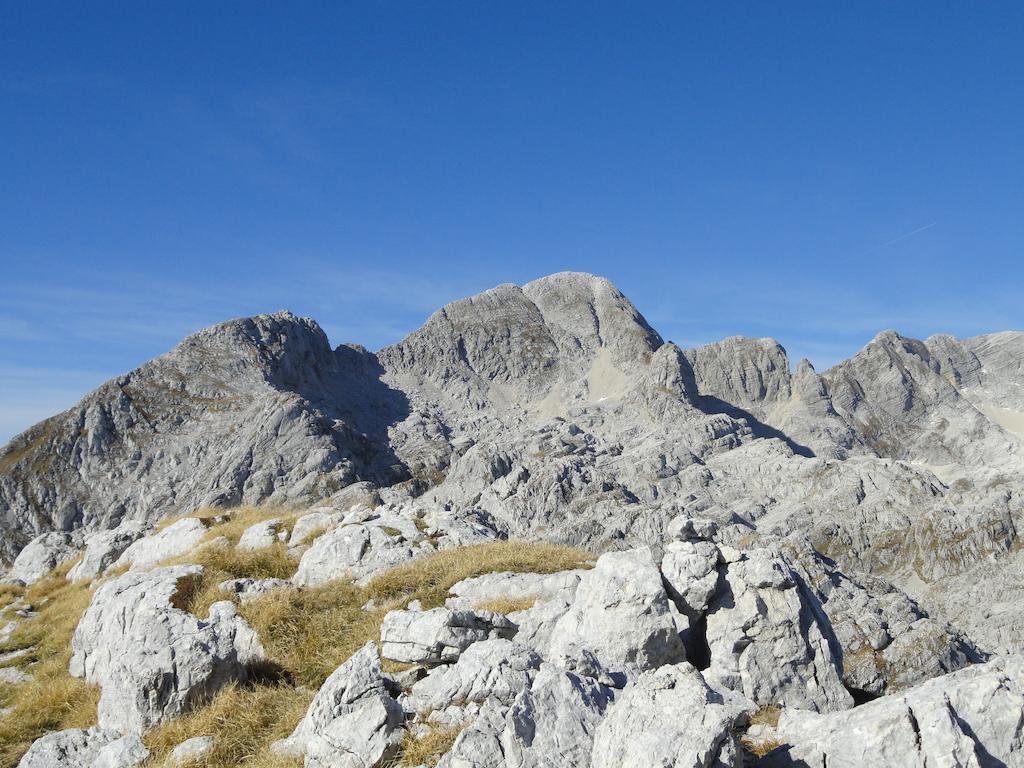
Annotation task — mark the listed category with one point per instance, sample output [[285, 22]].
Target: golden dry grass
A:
[[222, 562], [429, 748], [762, 747], [51, 699], [428, 579], [9, 593], [244, 721], [766, 716]]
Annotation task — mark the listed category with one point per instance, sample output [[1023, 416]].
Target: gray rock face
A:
[[91, 748], [152, 660], [42, 555], [622, 614], [550, 724], [765, 641], [438, 635], [671, 717], [261, 535], [967, 718], [353, 722], [102, 550], [490, 669], [176, 539], [351, 551]]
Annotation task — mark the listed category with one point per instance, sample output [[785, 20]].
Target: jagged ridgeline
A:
[[807, 541]]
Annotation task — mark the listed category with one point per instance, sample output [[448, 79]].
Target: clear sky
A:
[[815, 172]]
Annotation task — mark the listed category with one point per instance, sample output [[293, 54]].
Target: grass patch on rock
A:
[[428, 579], [428, 748], [243, 719], [51, 699]]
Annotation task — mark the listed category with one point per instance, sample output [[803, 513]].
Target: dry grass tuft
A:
[[311, 632], [507, 605], [243, 720], [9, 593], [222, 562], [52, 699], [428, 579], [762, 747], [766, 716], [429, 748]]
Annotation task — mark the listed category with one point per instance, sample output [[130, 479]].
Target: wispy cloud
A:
[[898, 239]]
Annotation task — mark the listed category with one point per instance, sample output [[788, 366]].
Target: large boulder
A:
[[104, 548], [353, 722], [671, 718], [549, 725], [967, 719], [622, 613], [92, 748], [768, 642], [490, 669], [262, 535], [42, 555], [178, 538], [351, 551], [151, 659], [438, 635]]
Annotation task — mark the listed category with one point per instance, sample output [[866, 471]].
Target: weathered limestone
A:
[[438, 635], [152, 660], [766, 640], [176, 539], [622, 614], [671, 717], [354, 722]]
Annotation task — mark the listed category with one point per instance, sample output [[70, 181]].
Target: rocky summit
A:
[[532, 533]]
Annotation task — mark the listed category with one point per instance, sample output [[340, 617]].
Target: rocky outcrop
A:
[[151, 659], [968, 718], [551, 723], [671, 717], [91, 748], [438, 635], [622, 614], [767, 642], [42, 555], [353, 722], [104, 548]]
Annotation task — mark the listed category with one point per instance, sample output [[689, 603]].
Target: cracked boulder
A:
[[92, 748], [439, 635], [490, 669], [966, 719], [670, 717], [549, 725], [622, 614], [767, 639], [153, 660], [353, 722]]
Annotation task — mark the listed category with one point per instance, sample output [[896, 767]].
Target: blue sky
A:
[[815, 172]]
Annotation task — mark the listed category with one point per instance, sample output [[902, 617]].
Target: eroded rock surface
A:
[[151, 659]]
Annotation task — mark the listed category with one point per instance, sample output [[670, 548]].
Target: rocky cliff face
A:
[[556, 411]]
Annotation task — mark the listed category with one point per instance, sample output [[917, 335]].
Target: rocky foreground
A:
[[771, 566]]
